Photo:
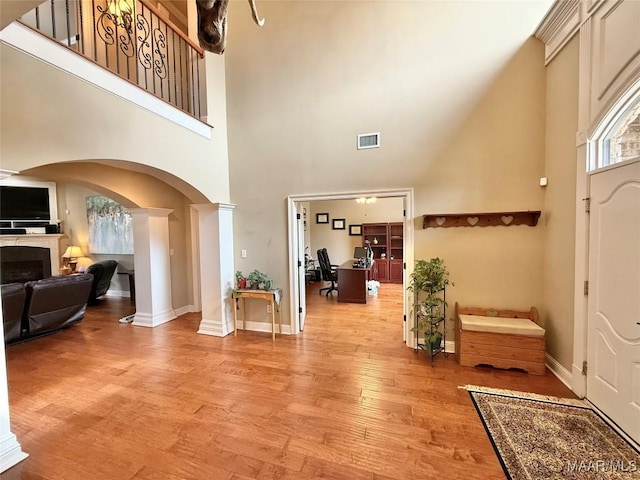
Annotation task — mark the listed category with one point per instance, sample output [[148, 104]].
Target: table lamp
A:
[[72, 253]]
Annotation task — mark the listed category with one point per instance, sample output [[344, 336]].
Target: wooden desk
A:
[[352, 283], [273, 297]]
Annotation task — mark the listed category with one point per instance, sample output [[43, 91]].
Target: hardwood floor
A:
[[346, 399]]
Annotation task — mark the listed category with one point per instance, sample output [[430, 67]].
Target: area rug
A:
[[541, 437]]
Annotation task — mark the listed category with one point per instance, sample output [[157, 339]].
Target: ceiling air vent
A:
[[368, 140]]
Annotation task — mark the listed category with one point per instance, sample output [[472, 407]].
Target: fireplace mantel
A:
[[55, 242]]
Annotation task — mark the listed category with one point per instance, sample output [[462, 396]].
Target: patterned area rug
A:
[[540, 437]]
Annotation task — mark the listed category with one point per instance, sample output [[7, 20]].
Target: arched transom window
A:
[[620, 140]]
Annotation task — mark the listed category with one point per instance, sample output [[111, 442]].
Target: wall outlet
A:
[[268, 308], [243, 253]]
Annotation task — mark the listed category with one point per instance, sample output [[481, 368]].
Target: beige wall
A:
[[560, 195], [492, 164], [49, 116], [300, 91], [339, 243]]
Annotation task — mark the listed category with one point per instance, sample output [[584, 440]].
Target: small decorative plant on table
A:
[[241, 280], [256, 280], [428, 283]]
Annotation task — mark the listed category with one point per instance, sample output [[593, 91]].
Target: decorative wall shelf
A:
[[506, 219]]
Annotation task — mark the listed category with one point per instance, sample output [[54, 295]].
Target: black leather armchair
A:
[[102, 273], [328, 271]]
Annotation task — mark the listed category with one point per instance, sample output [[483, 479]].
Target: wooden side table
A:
[[132, 282], [273, 297]]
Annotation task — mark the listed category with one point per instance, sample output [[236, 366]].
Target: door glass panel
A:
[[623, 140]]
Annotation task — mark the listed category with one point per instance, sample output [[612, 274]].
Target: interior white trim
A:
[[558, 27], [406, 193], [450, 346], [264, 327], [182, 310], [559, 371], [26, 40], [153, 320], [10, 452]]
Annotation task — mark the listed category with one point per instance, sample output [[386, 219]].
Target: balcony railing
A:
[[133, 40]]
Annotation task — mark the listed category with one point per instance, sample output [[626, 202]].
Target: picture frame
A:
[[322, 218], [338, 224], [355, 230]]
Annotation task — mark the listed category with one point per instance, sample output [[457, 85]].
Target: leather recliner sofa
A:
[[13, 297], [48, 305]]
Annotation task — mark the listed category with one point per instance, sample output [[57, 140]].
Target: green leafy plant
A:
[[429, 275], [259, 281], [426, 281]]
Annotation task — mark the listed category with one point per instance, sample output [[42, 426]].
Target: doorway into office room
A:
[[334, 222]]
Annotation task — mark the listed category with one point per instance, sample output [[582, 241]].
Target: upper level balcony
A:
[[135, 40]]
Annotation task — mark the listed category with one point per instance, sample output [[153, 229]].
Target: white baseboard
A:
[[147, 320], [559, 371], [450, 346], [182, 310], [215, 328], [264, 327], [117, 293], [10, 452]]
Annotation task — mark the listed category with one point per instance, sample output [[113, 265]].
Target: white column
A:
[[152, 265], [10, 450], [215, 245]]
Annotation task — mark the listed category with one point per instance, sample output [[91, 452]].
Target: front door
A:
[[613, 355]]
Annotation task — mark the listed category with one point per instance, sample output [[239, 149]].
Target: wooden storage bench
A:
[[500, 338]]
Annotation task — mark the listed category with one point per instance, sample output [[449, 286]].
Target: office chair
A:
[[328, 271]]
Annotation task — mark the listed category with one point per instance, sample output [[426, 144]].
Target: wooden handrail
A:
[[173, 27]]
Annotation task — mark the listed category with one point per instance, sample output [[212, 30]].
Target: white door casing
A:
[[613, 329], [302, 289], [293, 207]]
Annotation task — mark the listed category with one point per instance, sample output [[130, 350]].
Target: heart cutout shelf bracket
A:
[[505, 219]]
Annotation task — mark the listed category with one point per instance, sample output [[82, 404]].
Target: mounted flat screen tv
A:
[[24, 203]]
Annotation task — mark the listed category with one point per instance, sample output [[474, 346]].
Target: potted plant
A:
[[427, 281], [259, 281], [241, 281], [433, 342]]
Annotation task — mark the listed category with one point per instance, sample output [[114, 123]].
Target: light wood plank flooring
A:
[[344, 400]]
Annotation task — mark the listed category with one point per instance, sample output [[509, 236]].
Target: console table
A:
[[352, 283], [272, 297], [132, 282]]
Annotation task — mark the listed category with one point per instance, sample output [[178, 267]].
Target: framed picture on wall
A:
[[355, 230], [338, 224], [322, 218]]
